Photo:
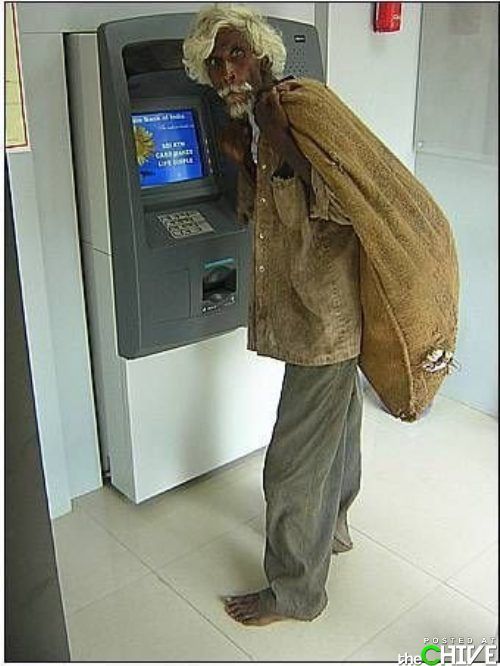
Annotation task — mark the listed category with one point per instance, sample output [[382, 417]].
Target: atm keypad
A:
[[185, 223]]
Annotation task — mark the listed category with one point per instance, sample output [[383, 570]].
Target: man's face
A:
[[234, 71]]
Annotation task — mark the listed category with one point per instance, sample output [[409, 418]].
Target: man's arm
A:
[[245, 196], [322, 201], [235, 141], [293, 157], [273, 122]]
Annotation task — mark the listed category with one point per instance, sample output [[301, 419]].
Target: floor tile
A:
[[111, 507], [90, 562], [417, 496], [368, 588], [181, 520], [146, 621], [442, 614], [479, 579]]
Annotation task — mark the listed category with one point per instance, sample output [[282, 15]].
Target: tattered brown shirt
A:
[[304, 305]]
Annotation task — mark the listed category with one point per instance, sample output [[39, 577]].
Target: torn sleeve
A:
[[323, 202]]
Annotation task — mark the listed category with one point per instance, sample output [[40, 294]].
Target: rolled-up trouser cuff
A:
[[288, 609]]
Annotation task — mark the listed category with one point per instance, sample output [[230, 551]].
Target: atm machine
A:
[[166, 263]]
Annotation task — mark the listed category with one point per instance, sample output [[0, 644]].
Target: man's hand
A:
[[269, 114], [287, 86]]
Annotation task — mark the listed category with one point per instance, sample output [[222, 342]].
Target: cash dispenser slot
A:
[[219, 285]]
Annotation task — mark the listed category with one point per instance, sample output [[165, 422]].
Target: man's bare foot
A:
[[250, 609]]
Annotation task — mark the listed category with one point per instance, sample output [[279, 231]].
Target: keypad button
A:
[[182, 224]]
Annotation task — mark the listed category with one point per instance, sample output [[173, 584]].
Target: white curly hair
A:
[[263, 39]]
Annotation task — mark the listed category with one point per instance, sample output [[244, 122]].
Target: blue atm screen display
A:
[[167, 147]]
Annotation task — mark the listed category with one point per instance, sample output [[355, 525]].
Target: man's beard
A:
[[238, 109]]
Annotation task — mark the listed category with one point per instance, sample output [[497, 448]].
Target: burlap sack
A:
[[409, 270]]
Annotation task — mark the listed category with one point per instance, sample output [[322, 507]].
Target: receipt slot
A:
[[166, 264]]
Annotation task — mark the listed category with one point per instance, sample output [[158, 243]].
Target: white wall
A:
[[457, 159], [59, 17], [376, 73], [38, 328]]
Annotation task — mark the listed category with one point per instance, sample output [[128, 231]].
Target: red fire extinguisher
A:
[[387, 17]]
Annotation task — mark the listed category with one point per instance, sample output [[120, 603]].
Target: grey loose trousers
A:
[[312, 474]]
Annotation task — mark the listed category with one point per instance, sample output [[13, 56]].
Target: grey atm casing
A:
[[159, 281]]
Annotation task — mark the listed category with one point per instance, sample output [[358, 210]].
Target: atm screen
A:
[[167, 147]]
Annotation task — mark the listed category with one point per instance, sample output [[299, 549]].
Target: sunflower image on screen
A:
[[144, 144], [167, 147]]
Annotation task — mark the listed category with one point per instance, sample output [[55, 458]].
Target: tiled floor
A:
[[143, 583]]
